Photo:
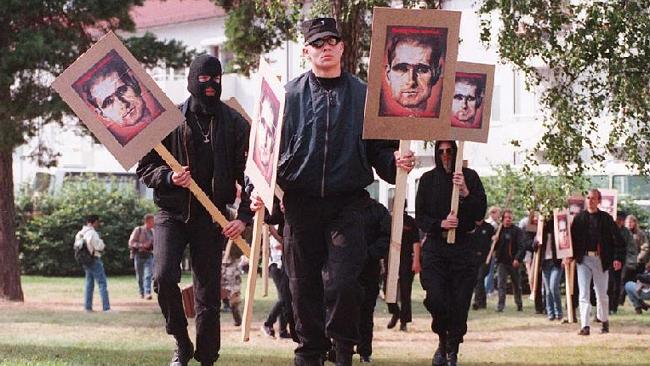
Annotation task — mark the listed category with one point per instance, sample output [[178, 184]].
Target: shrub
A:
[[47, 225]]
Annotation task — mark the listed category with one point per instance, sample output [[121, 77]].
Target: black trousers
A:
[[280, 309], [448, 276], [480, 298], [172, 236], [614, 288], [325, 252], [505, 270], [369, 280], [405, 286]]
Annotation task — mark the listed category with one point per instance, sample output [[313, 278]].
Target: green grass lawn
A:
[[51, 328]]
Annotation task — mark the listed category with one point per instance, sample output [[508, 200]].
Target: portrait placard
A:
[[576, 204], [411, 74], [608, 201], [472, 102], [562, 221], [117, 100], [264, 146]]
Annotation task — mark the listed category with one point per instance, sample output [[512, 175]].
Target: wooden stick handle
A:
[[203, 198], [455, 193], [266, 252], [396, 228], [226, 252], [251, 282]]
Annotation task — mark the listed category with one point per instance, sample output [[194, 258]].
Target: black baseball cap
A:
[[318, 28]]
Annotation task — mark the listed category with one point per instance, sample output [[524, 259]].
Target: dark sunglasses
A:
[[320, 42], [447, 150]]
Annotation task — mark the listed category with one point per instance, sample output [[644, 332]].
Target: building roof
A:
[[163, 12]]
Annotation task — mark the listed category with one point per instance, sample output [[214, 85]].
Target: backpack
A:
[[81, 253]]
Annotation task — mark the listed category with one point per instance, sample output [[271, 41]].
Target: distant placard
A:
[[472, 102], [563, 245], [609, 201]]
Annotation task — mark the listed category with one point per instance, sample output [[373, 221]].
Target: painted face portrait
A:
[[265, 133], [118, 99], [412, 72], [466, 108]]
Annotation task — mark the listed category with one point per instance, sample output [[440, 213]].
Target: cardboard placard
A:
[[576, 204], [472, 102], [608, 201], [264, 146], [562, 221], [411, 74], [117, 100]]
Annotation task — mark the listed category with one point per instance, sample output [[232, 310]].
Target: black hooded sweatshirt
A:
[[433, 202]]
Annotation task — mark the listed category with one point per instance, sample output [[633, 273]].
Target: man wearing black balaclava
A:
[[448, 271], [211, 144]]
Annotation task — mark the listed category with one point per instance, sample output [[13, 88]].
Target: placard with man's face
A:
[[562, 222], [261, 166], [609, 201], [472, 102], [410, 76], [576, 204], [117, 100]]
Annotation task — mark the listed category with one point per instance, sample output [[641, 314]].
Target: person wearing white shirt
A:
[[94, 270]]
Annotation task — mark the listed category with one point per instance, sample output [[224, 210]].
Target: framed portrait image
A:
[[472, 102], [608, 201], [264, 143], [562, 221], [576, 204], [411, 74], [117, 100]]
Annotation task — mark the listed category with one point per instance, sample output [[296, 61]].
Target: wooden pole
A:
[[537, 261], [498, 232], [569, 276], [254, 260], [203, 198], [266, 251], [396, 228], [455, 193], [226, 253]]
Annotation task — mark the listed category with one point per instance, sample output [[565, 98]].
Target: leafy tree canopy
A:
[[590, 61]]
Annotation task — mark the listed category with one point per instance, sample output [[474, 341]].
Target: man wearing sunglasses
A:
[[323, 168], [448, 271]]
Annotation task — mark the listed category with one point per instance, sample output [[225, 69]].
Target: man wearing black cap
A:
[[449, 271], [211, 144], [323, 169]]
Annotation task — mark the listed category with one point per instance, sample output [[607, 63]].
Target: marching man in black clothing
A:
[[597, 247], [323, 168], [482, 237], [211, 145], [448, 270], [510, 251]]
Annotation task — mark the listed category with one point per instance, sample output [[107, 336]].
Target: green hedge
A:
[[47, 225]]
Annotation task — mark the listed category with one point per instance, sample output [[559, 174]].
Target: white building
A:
[[199, 24]]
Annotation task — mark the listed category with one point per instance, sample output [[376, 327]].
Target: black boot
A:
[[183, 352], [440, 357], [236, 316], [343, 353], [452, 353], [393, 321]]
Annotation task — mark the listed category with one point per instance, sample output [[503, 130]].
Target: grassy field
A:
[[51, 329]]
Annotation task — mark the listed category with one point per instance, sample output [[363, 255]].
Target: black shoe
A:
[[644, 306], [403, 327], [284, 334], [475, 306], [596, 320], [520, 308], [207, 363], [393, 321], [440, 357], [499, 310], [584, 331], [302, 361], [605, 328], [343, 358], [365, 359], [236, 316], [638, 311], [267, 331], [183, 353]]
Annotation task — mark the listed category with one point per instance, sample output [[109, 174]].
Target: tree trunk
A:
[[10, 288]]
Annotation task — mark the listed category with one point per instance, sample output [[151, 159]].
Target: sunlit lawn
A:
[[51, 328]]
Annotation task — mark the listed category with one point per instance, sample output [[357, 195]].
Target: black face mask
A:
[[205, 65]]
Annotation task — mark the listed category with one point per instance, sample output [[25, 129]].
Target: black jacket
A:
[[377, 227], [433, 202], [482, 238], [229, 141], [612, 246], [322, 153], [510, 245]]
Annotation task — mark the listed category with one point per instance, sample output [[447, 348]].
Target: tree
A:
[[256, 27], [38, 40], [595, 56]]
